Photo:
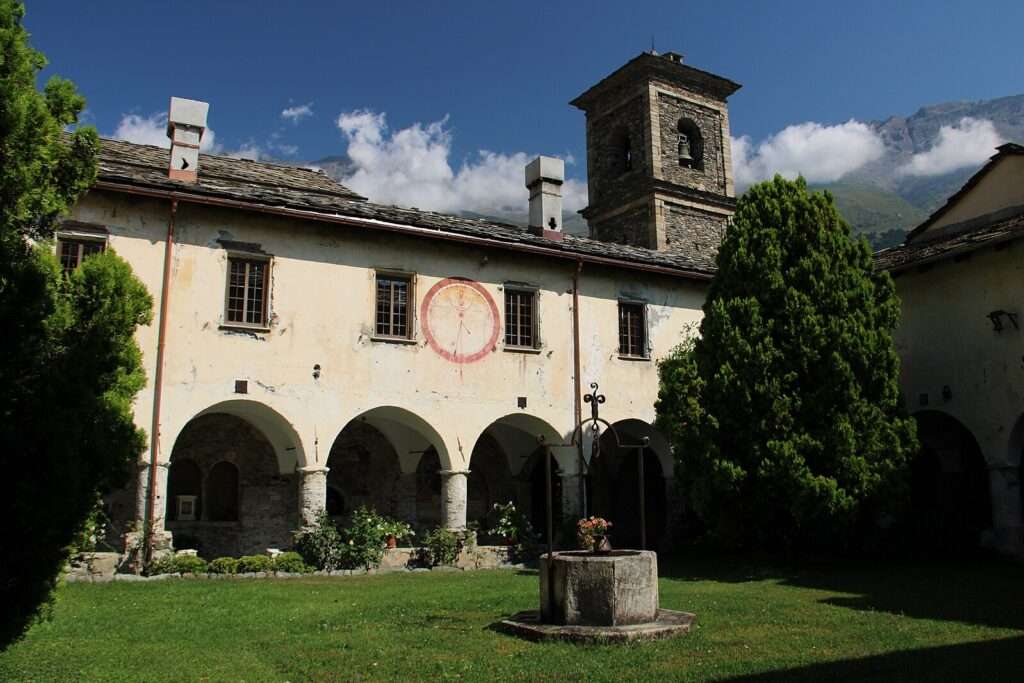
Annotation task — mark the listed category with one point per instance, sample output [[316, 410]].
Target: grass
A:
[[817, 623]]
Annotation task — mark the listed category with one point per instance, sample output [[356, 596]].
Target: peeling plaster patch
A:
[[243, 333]]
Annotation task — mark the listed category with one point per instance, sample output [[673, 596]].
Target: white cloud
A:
[[820, 153], [297, 113], [152, 130], [412, 167], [249, 150], [968, 143]]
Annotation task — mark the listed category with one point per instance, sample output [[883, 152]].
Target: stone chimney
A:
[[185, 125], [544, 177]]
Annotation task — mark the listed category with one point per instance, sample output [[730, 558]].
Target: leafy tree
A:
[[69, 365], [785, 412]]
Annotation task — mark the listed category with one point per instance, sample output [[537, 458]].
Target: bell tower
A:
[[658, 156]]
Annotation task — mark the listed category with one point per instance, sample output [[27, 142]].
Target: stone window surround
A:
[[397, 274], [268, 279]]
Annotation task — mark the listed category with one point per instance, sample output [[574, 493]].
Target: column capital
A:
[[313, 469], [452, 473]]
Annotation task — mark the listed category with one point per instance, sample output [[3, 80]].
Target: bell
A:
[[684, 149]]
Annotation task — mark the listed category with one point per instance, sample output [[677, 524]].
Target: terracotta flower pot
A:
[[392, 542]]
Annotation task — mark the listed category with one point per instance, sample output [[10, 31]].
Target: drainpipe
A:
[[158, 381], [577, 382]]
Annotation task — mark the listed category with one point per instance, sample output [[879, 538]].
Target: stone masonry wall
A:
[[693, 231], [267, 499], [608, 185], [709, 178], [633, 226]]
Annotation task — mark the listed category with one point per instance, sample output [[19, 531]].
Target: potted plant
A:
[[510, 524], [592, 533], [396, 531]]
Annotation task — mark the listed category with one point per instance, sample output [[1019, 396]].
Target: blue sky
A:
[[503, 74]]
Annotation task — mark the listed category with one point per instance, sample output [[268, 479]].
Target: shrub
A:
[[255, 563], [512, 525], [290, 562], [163, 565], [224, 565], [177, 564], [189, 564], [443, 546], [364, 538], [319, 545]]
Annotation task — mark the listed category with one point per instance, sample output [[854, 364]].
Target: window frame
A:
[[410, 304], [534, 294], [71, 236], [249, 257], [644, 342]]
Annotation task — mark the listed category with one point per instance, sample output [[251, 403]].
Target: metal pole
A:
[[547, 477], [643, 504]]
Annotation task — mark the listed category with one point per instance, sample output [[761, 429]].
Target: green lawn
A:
[[823, 623]]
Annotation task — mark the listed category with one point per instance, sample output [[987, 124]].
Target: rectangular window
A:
[[520, 318], [393, 306], [72, 251], [632, 330], [247, 292]]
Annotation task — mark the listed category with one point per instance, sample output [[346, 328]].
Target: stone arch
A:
[[275, 427], [503, 468], [614, 484], [235, 456], [690, 139], [390, 459], [950, 492]]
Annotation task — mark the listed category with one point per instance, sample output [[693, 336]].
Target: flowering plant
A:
[[511, 524], [589, 528], [400, 530]]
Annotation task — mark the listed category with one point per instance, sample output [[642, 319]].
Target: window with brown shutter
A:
[[72, 251], [632, 330], [247, 292]]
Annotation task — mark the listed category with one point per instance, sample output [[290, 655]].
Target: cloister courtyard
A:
[[757, 620]]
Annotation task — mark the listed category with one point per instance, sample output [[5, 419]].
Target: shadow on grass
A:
[[984, 591], [989, 660]]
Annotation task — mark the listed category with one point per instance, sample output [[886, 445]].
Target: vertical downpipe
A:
[[577, 388], [158, 381]]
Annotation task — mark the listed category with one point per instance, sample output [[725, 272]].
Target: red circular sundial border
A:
[[445, 353]]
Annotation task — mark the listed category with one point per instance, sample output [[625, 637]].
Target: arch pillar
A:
[[1007, 522], [161, 538], [312, 493], [572, 481], [454, 496]]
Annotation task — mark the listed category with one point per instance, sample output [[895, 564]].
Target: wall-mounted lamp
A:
[[997, 319], [316, 371]]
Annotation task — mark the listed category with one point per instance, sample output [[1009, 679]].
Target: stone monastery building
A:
[[312, 349]]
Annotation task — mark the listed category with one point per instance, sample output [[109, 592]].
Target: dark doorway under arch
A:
[[614, 491], [950, 494]]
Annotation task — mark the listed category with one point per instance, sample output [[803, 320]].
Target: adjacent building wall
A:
[[946, 339]]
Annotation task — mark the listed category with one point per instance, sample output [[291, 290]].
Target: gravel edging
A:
[[336, 573]]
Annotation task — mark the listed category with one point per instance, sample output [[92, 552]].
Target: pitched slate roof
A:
[[259, 185], [1007, 149], [949, 243]]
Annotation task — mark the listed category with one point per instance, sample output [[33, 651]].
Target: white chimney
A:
[[544, 177], [185, 125]]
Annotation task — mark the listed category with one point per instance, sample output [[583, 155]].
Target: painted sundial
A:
[[460, 320]]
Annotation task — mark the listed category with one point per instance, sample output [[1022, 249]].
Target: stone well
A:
[[617, 588]]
